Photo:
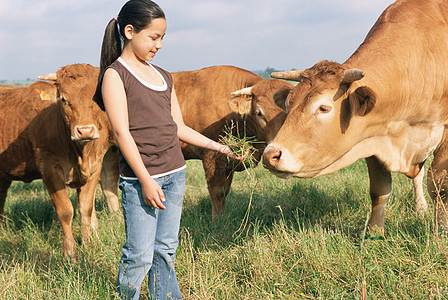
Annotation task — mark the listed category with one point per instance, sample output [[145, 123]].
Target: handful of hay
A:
[[240, 146]]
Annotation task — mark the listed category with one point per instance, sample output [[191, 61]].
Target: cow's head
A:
[[74, 89], [324, 121], [263, 105]]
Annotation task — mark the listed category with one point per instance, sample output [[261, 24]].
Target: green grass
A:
[[301, 241]]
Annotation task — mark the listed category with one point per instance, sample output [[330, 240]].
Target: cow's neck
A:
[[410, 112], [400, 149]]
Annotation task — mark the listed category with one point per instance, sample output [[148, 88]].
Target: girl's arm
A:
[[191, 136], [115, 102]]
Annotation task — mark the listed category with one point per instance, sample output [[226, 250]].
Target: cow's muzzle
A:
[[85, 133], [271, 157], [279, 161]]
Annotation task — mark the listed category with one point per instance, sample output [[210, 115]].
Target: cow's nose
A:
[[271, 157], [86, 132]]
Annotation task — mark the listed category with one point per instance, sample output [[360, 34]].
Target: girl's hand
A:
[[224, 149], [153, 194]]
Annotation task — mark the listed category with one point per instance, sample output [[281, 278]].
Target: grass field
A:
[[278, 239]]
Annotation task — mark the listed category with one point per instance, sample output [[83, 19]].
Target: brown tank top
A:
[[150, 122]]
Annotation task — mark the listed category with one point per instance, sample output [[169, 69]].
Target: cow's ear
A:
[[49, 94], [240, 105], [362, 100], [44, 96], [280, 97], [45, 91]]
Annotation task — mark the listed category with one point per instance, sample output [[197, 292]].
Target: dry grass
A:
[[239, 143]]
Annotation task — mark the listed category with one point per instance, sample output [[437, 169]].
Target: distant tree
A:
[[266, 74]]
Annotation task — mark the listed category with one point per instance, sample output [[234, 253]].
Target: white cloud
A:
[[41, 36]]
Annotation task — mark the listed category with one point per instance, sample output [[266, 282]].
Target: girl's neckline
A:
[[151, 86]]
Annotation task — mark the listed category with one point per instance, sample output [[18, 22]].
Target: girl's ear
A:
[[129, 31]]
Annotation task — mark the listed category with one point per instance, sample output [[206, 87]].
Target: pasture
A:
[[278, 239]]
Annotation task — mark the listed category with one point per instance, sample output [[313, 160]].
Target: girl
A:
[[145, 116]]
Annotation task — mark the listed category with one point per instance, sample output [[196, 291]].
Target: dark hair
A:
[[139, 14]]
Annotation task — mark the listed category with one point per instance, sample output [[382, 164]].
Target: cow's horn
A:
[[288, 75], [49, 76], [352, 75], [245, 91]]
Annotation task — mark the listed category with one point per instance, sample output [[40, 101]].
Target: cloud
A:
[[41, 36], [255, 34]]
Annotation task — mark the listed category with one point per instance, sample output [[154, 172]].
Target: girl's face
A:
[[148, 41]]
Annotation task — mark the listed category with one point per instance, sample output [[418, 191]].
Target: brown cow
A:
[[387, 103], [55, 131], [108, 179], [110, 174], [208, 107]]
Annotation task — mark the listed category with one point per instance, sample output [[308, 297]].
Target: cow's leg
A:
[[4, 186], [86, 201], [421, 205], [437, 183], [109, 179], [380, 189], [218, 182], [64, 209], [218, 189]]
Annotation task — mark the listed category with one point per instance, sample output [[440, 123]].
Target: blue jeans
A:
[[151, 239]]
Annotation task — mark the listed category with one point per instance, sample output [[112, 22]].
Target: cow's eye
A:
[[259, 114], [65, 102], [323, 109]]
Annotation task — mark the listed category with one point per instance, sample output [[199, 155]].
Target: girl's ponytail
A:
[[110, 51]]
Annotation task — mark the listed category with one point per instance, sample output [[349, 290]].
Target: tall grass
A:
[[302, 241]]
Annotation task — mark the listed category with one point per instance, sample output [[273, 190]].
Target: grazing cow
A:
[[208, 107], [56, 132], [387, 103]]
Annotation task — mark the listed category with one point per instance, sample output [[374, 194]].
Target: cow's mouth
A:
[[280, 174], [83, 141]]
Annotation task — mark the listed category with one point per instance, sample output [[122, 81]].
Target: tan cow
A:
[[56, 132], [387, 103]]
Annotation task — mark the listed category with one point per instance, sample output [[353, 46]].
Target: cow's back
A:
[[404, 57], [203, 94]]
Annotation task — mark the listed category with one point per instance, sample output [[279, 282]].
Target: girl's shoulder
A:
[[115, 70], [116, 65]]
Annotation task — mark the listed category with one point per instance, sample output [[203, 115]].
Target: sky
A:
[[39, 37]]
